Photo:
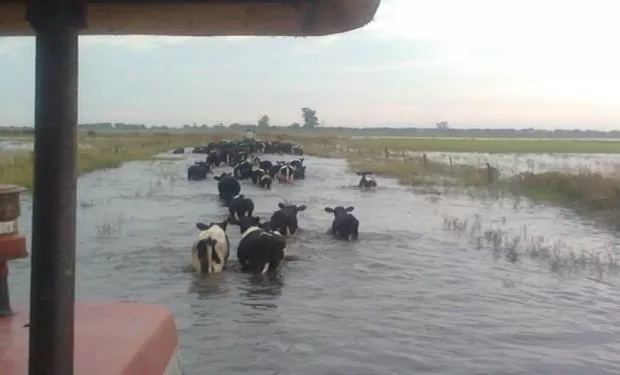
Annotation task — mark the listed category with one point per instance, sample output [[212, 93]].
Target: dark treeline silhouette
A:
[[310, 123]]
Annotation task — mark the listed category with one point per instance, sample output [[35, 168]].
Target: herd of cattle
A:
[[262, 247]]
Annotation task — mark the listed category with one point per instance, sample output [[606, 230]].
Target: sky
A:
[[475, 63]]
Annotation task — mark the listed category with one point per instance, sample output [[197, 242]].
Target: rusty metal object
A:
[[12, 244], [208, 17]]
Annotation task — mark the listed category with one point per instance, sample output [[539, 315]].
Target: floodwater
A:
[[410, 297], [511, 164]]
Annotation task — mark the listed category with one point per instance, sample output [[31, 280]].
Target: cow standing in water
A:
[[227, 187], [211, 250], [367, 181], [259, 251], [345, 226], [284, 220], [240, 206]]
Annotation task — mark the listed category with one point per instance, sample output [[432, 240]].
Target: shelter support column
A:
[[52, 296]]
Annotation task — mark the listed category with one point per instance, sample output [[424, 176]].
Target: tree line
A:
[[310, 120]]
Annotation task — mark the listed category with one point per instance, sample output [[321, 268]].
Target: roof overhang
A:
[[208, 17]]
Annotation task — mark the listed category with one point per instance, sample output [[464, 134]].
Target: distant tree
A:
[[295, 125], [442, 125], [263, 122], [310, 118]]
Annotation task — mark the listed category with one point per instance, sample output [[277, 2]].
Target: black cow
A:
[[261, 178], [299, 172], [241, 206], [214, 158], [275, 168], [243, 170], [198, 171], [285, 219], [178, 151], [367, 181], [258, 251], [345, 226], [227, 187]]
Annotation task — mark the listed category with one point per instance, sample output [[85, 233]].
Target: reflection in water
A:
[[209, 286], [262, 290]]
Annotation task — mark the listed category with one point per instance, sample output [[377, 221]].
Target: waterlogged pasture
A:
[[438, 283]]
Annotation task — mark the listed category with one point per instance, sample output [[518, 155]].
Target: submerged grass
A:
[[504, 243], [97, 152]]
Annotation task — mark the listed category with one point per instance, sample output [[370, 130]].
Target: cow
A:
[[275, 168], [265, 165], [241, 206], [345, 226], [211, 250], [199, 150], [366, 181], [284, 220], [259, 251], [178, 151], [227, 187], [198, 171], [243, 170], [214, 157], [300, 169], [296, 150], [261, 178], [286, 174]]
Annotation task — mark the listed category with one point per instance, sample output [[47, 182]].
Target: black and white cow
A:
[[261, 178], [286, 174], [367, 181], [227, 187], [211, 249], [241, 206], [345, 226], [259, 251], [198, 171], [284, 220], [300, 168], [243, 170]]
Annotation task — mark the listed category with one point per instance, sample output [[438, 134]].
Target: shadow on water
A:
[[408, 297]]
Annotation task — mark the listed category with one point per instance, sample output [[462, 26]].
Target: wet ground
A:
[[410, 297]]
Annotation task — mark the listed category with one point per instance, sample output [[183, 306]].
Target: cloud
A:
[[489, 20]]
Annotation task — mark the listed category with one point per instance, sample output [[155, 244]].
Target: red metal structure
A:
[[54, 316]]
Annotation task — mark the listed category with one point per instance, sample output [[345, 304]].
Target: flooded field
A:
[[15, 144], [512, 164], [426, 289]]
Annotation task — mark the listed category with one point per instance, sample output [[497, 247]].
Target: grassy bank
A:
[[586, 193], [99, 152]]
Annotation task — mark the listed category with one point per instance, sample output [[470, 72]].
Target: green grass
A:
[[99, 152]]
